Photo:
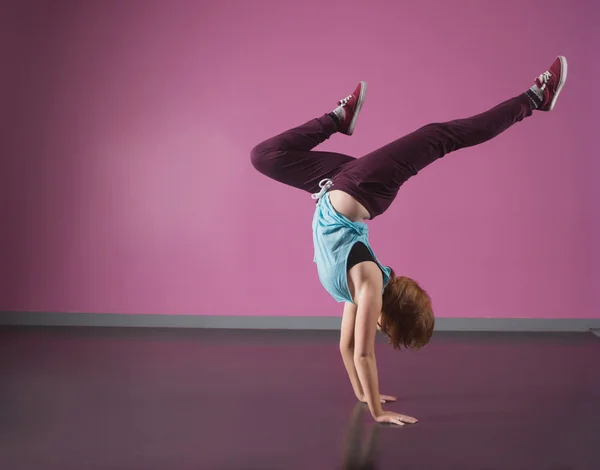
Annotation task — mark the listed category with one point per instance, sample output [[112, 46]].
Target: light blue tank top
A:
[[334, 236]]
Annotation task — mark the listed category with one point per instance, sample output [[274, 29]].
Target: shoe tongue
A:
[[340, 112]]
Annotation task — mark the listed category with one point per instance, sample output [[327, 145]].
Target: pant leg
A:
[[374, 179], [288, 158]]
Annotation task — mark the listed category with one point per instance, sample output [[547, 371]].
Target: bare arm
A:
[[347, 347], [369, 284], [369, 308]]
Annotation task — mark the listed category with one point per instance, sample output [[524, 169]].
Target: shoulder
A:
[[366, 276]]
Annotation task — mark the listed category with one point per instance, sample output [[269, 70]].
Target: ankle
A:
[[335, 118], [536, 96], [340, 112]]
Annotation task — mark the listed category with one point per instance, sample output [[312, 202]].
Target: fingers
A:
[[395, 418], [388, 398], [392, 420], [407, 419]]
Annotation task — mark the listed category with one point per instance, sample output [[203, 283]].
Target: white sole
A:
[[561, 82], [359, 103]]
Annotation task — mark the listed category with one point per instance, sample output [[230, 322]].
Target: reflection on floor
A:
[[75, 398]]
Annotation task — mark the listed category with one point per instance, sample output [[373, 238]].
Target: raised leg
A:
[[374, 180], [289, 159], [415, 151]]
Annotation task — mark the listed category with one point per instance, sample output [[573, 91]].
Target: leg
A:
[[378, 176], [415, 151], [374, 180], [288, 158]]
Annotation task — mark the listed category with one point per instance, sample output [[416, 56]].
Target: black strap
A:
[[359, 254]]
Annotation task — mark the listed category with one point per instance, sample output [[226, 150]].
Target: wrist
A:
[[376, 412], [375, 408]]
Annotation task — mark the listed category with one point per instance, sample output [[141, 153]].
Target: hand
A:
[[384, 398], [394, 418]]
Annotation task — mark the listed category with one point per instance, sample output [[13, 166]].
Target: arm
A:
[[369, 308], [347, 347], [369, 301]]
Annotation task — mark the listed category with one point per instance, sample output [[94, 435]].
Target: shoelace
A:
[[544, 79], [324, 185], [344, 102]]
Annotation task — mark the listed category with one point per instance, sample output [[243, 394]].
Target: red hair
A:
[[407, 316]]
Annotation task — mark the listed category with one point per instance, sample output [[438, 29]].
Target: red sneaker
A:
[[349, 109], [551, 83]]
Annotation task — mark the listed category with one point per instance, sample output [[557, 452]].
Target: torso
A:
[[354, 211], [329, 233], [349, 207]]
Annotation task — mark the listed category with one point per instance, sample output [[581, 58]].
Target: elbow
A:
[[363, 356], [347, 349], [347, 344]]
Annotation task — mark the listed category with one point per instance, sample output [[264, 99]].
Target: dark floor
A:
[[74, 398]]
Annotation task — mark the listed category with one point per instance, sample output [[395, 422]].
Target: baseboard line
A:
[[283, 322]]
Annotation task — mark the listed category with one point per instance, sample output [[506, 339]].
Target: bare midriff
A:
[[349, 207]]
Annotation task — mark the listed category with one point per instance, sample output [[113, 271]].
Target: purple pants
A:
[[374, 180]]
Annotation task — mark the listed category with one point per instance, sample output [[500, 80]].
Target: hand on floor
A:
[[384, 398], [395, 418]]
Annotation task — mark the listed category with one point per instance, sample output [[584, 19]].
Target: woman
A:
[[350, 191]]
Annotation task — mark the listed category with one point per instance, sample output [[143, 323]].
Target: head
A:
[[406, 316]]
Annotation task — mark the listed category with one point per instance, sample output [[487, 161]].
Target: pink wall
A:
[[127, 185]]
